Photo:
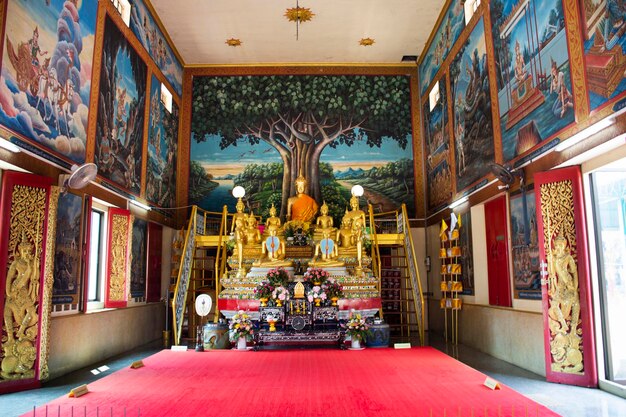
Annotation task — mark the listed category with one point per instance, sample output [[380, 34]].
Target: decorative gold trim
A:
[[159, 23], [46, 310], [493, 89], [196, 67], [299, 14], [118, 278], [366, 42], [576, 59], [233, 42], [560, 246]]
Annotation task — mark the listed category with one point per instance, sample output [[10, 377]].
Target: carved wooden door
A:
[[565, 284], [118, 262], [498, 252], [28, 206]]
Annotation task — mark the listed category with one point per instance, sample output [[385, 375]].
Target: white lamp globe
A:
[[239, 191], [357, 190]]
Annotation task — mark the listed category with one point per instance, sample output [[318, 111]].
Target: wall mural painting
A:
[[437, 150], [467, 259], [447, 33], [149, 34], [473, 128], [66, 287], [604, 34], [526, 268], [162, 150], [337, 131], [119, 130], [532, 71], [139, 259], [46, 73]]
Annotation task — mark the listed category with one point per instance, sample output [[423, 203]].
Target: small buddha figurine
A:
[[357, 239], [240, 241], [253, 235], [326, 252], [272, 222], [301, 207], [239, 214], [273, 251], [324, 222]]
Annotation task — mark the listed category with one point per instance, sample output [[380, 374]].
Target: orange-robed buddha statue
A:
[[301, 207]]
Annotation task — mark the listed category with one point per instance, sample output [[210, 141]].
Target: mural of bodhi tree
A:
[[263, 131]]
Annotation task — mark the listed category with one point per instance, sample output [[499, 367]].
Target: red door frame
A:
[[589, 377]]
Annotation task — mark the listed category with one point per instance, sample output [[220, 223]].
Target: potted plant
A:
[[333, 290], [316, 276], [279, 295], [263, 292], [317, 295], [240, 329], [278, 277], [357, 329]]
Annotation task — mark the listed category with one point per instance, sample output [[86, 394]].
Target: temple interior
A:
[[449, 172]]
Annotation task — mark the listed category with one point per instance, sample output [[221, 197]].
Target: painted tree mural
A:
[[300, 116]]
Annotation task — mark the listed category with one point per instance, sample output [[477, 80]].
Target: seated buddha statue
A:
[[273, 251], [355, 211], [326, 252], [238, 215], [272, 222], [344, 237], [301, 207], [253, 235], [323, 222]]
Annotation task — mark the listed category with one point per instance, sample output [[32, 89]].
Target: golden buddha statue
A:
[[355, 211], [357, 238], [240, 241], [238, 215], [301, 207], [272, 222], [253, 235], [326, 252], [273, 251], [344, 237], [323, 222]]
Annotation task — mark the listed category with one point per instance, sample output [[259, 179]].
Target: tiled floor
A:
[[565, 400]]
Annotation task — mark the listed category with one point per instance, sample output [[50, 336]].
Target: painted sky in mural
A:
[[46, 73], [533, 72], [447, 33], [604, 31], [473, 128], [119, 129], [149, 34], [162, 149]]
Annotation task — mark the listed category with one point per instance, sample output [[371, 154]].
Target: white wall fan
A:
[[79, 177]]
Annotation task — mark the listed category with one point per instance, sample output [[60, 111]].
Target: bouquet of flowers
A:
[[280, 293], [278, 277], [264, 290], [356, 327], [240, 326], [317, 293], [333, 288], [317, 276]]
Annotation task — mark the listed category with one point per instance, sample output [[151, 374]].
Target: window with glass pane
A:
[[95, 254], [609, 195]]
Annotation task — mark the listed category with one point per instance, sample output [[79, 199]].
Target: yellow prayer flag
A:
[[459, 220], [444, 227]]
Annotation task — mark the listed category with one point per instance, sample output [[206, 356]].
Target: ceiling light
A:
[[299, 15], [584, 134], [140, 205], [5, 144], [239, 191], [357, 190], [458, 202]]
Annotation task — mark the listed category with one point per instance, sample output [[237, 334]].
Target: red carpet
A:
[[372, 382]]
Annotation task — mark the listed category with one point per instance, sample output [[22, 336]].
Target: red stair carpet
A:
[[297, 383]]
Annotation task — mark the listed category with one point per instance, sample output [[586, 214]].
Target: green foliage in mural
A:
[[200, 182], [300, 116]]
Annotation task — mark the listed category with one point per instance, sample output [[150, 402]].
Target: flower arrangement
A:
[[356, 327], [293, 226], [264, 290], [277, 277], [318, 276], [333, 288], [281, 294], [317, 293], [240, 326]]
